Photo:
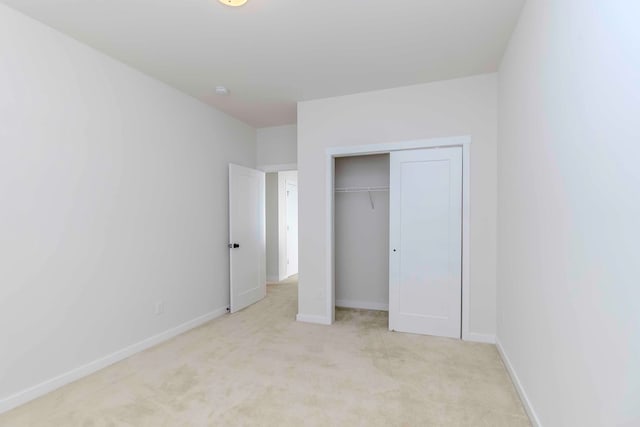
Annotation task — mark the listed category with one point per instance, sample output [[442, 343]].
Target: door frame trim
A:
[[385, 148], [283, 167]]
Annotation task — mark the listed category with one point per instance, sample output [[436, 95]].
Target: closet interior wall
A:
[[362, 232]]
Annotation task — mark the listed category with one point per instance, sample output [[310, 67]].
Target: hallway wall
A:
[[272, 231]]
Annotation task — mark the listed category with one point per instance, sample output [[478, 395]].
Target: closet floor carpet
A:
[[260, 367]]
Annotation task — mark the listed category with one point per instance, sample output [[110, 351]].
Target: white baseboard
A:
[[307, 318], [475, 337], [52, 384], [272, 279], [533, 417], [362, 305]]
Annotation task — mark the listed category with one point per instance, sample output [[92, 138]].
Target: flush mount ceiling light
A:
[[233, 3]]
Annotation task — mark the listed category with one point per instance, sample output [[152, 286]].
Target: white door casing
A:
[[425, 265], [247, 238]]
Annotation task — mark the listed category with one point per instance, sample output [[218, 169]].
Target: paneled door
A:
[[292, 228], [425, 266], [247, 239]]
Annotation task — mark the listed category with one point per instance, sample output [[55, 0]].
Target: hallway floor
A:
[[260, 367]]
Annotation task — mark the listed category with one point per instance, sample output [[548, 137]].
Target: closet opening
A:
[[398, 236], [361, 215]]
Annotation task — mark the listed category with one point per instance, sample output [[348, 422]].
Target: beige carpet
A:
[[261, 368]]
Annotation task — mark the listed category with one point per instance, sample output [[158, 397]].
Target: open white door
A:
[[292, 228], [425, 271], [246, 236]]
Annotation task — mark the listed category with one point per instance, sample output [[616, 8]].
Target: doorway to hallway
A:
[[281, 225]]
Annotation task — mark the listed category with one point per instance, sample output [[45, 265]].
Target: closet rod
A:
[[360, 189]]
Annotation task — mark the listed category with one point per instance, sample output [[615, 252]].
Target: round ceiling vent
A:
[[221, 90]]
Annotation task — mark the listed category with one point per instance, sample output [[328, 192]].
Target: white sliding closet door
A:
[[425, 266]]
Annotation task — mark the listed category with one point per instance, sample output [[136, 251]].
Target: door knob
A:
[[234, 245]]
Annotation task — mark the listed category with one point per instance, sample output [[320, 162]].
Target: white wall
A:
[[283, 177], [450, 108], [569, 209], [277, 145], [271, 209], [362, 233], [113, 189]]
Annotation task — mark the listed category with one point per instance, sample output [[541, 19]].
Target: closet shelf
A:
[[360, 189]]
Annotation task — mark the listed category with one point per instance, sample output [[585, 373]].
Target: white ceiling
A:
[[273, 53]]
